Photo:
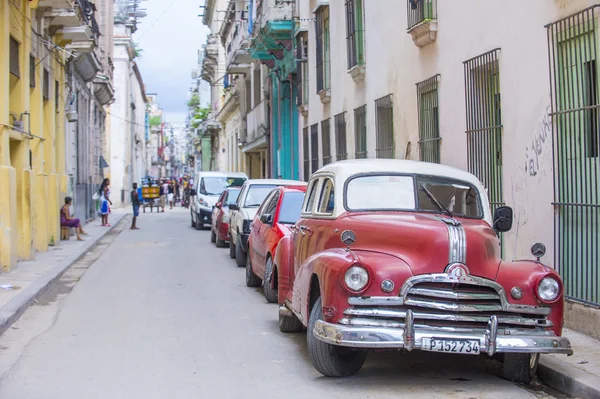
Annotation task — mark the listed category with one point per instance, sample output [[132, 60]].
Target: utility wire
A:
[[128, 121]]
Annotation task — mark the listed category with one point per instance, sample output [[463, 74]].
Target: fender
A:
[[526, 274], [283, 260]]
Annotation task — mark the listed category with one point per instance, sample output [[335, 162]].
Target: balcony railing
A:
[[419, 11], [256, 122], [88, 9], [272, 10]]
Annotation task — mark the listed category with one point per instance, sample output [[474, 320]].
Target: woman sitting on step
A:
[[66, 220]]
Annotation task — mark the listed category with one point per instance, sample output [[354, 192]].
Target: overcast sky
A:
[[170, 37]]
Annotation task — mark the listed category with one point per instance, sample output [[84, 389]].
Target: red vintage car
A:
[[280, 209], [395, 254], [219, 229]]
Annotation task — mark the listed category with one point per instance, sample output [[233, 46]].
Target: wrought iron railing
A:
[[429, 123], [418, 11], [360, 132], [384, 120], [575, 131], [341, 151]]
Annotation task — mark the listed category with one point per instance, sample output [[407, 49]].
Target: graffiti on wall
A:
[[539, 144]]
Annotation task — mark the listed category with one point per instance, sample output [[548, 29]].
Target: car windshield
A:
[[257, 194], [233, 195], [290, 208], [216, 185], [413, 193]]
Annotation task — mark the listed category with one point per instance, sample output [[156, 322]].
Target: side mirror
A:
[[218, 205], [233, 207], [503, 219], [266, 218]]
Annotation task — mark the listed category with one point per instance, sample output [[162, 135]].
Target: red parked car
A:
[[280, 210], [396, 254], [219, 229]]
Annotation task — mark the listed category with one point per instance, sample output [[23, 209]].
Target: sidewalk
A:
[[577, 375], [23, 285]]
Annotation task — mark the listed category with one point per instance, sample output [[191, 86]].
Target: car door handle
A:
[[305, 229]]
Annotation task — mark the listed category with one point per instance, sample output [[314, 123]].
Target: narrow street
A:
[[162, 313]]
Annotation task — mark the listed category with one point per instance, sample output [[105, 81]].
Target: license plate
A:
[[466, 346]]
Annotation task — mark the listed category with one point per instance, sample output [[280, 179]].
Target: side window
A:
[[240, 199], [223, 199], [265, 205], [272, 205], [326, 199], [312, 194]]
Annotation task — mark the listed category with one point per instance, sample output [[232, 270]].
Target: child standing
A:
[[135, 203]]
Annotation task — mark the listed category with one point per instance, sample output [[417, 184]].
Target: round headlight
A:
[[548, 289], [356, 278]]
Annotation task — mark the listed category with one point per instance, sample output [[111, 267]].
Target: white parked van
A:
[[208, 186]]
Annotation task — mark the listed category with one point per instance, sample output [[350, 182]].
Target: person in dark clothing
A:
[[171, 193], [135, 203]]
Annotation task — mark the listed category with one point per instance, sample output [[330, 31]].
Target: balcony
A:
[[103, 89], [422, 21], [272, 10], [87, 64], [63, 16], [256, 125], [238, 58], [65, 4], [210, 59], [210, 126]]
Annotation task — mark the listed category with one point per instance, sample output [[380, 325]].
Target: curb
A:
[[11, 312], [568, 379]]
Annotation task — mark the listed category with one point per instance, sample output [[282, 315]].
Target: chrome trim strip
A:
[[448, 294], [455, 307], [391, 323], [376, 300], [379, 313], [393, 338], [491, 335]]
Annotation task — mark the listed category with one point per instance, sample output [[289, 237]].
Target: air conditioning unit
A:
[[71, 113]]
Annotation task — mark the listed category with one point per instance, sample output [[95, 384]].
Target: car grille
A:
[[445, 306]]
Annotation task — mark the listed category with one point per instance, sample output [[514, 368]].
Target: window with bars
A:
[[355, 33], [46, 85], [326, 142], [302, 68], [322, 48], [429, 123], [314, 147], [57, 94], [573, 54], [306, 149], [15, 67], [341, 150], [31, 71], [360, 132], [418, 11], [484, 123], [384, 119]]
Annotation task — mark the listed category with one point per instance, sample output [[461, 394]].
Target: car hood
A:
[[425, 241], [249, 213]]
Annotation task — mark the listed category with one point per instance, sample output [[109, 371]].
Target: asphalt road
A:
[[162, 313]]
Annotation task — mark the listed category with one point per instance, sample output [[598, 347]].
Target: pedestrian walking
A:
[[105, 201], [66, 220], [163, 196], [135, 203], [171, 193]]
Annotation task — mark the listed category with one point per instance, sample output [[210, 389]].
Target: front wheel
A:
[[270, 282], [289, 324], [251, 279], [199, 224], [331, 360], [521, 367], [231, 249], [240, 254]]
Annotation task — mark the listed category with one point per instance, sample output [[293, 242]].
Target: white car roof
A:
[[278, 182], [342, 170]]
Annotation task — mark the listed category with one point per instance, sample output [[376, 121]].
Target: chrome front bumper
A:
[[411, 337]]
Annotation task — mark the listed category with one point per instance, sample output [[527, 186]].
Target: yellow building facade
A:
[[33, 181]]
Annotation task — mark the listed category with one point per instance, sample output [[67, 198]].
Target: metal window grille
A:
[[429, 123], [322, 47], [14, 58], [355, 32], [484, 123], [57, 94], [360, 132], [418, 11], [314, 147], [341, 150], [326, 141], [46, 85], [306, 153], [385, 127], [302, 69], [31, 71], [573, 57]]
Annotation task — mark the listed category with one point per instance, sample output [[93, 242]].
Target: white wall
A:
[[467, 28]]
